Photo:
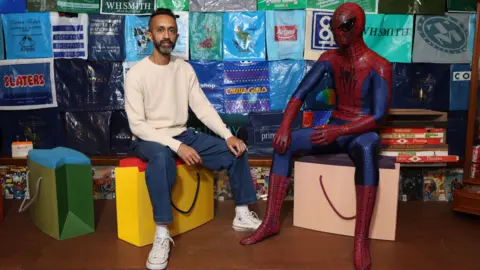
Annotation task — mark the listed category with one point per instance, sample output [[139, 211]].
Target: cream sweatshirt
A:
[[157, 98]]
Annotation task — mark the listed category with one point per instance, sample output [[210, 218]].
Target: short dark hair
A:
[[162, 11]]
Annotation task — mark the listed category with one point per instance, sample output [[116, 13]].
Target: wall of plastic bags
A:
[[67, 59]]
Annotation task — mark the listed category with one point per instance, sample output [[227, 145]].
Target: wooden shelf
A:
[[114, 160], [472, 181]]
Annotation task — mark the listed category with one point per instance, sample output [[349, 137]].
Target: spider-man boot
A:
[[277, 190], [366, 196]]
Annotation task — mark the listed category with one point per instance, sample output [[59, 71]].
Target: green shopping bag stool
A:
[[59, 183]]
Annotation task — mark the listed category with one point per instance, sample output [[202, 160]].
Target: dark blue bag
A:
[[43, 127], [106, 37], [261, 129], [120, 133], [88, 132], [89, 86]]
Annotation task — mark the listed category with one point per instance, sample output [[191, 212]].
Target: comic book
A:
[[222, 185], [411, 184], [14, 182], [260, 177], [103, 182], [453, 181], [434, 185]]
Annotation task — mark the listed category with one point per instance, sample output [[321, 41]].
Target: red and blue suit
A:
[[362, 82]]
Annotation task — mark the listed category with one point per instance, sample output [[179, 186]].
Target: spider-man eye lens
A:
[[347, 25]]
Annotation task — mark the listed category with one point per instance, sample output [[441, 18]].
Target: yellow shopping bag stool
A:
[[192, 201]]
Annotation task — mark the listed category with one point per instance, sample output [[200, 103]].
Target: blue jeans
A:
[[215, 154]]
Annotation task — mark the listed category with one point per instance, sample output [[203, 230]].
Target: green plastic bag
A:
[[391, 36], [462, 5], [78, 6], [369, 6], [281, 4], [430, 7], [176, 5], [206, 36]]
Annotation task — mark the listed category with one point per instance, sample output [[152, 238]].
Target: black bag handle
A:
[[194, 198]]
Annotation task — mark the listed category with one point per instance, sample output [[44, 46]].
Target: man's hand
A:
[[236, 145], [325, 134], [281, 139], [189, 155]]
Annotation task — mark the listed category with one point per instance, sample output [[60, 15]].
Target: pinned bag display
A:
[[59, 183], [192, 201]]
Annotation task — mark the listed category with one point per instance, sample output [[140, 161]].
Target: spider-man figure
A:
[[362, 82]]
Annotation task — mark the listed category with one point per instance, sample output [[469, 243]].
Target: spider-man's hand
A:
[[326, 134], [282, 139]]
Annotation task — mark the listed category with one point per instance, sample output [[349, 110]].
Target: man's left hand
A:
[[326, 134], [236, 145]]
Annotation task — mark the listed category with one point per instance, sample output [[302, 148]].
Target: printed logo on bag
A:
[[322, 36], [390, 32], [127, 6], [208, 42], [207, 87], [243, 40], [264, 135], [462, 76], [444, 33], [141, 38], [31, 80], [27, 44], [286, 33], [246, 90]]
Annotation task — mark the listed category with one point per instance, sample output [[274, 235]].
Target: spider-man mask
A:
[[347, 24]]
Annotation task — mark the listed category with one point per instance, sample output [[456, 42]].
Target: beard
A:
[[164, 47]]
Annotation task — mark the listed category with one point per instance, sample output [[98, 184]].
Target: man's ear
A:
[[149, 35]]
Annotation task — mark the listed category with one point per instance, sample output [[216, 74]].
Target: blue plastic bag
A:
[[247, 87], [13, 6], [285, 34], [210, 77], [285, 76], [137, 43], [27, 35], [244, 36], [460, 87]]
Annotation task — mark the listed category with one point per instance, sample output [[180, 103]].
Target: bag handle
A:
[[194, 198], [22, 207], [331, 204]]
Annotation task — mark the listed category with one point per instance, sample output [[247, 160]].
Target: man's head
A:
[[162, 30], [347, 24]]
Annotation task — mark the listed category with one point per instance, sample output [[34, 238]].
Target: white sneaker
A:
[[158, 256], [246, 221]]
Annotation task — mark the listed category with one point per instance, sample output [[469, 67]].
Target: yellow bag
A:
[[192, 201]]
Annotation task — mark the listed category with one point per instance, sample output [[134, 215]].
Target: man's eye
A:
[[347, 25]]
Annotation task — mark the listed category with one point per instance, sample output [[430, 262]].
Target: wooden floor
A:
[[429, 236]]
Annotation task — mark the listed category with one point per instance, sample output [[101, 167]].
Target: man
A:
[[362, 82], [158, 91]]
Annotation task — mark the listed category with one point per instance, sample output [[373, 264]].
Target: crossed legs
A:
[[362, 149]]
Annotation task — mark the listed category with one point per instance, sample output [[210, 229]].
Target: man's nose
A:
[[166, 34]]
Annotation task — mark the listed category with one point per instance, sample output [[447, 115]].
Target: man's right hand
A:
[[189, 155], [281, 140]]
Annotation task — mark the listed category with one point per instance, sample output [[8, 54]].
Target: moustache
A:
[[168, 42]]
